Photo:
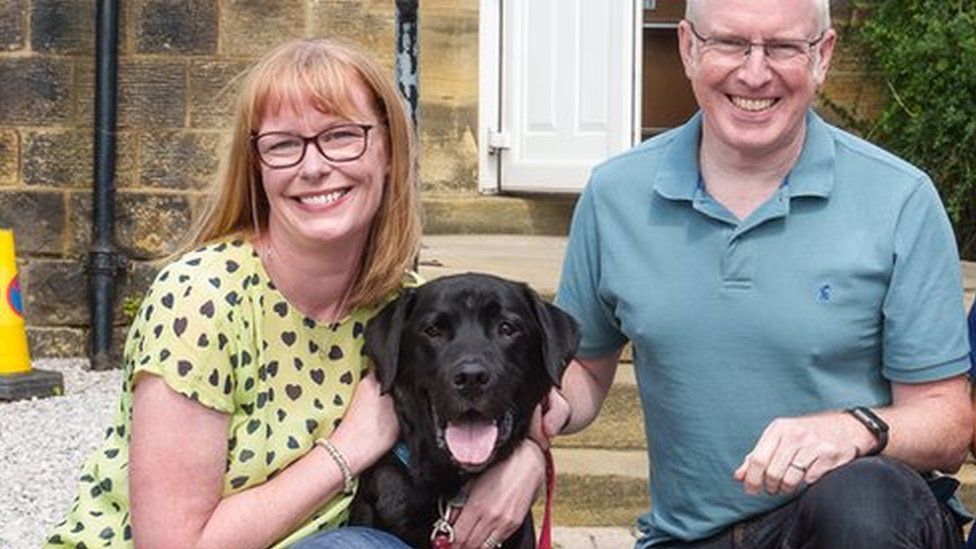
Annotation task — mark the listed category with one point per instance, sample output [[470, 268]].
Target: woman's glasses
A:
[[341, 143]]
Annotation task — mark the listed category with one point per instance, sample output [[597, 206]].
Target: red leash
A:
[[545, 535], [443, 535]]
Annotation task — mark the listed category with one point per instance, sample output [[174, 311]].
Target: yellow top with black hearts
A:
[[216, 329]]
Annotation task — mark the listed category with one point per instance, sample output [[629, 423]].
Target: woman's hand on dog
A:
[[500, 498], [369, 427]]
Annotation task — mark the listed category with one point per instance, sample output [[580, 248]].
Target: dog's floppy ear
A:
[[383, 334], [560, 336]]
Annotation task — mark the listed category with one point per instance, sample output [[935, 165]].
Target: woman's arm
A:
[[177, 462]]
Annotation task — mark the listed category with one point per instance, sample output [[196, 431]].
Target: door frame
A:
[[490, 74]]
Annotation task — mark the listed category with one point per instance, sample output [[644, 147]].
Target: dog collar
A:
[[402, 453]]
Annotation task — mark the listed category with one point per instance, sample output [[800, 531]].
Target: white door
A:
[[566, 91]]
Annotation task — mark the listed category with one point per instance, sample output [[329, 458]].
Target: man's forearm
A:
[[586, 383], [930, 430]]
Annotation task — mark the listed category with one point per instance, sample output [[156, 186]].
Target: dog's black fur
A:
[[461, 347]]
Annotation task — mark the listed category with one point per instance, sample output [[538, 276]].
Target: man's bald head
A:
[[695, 7]]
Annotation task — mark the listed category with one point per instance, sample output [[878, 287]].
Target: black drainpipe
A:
[[104, 262], [408, 66], [407, 54]]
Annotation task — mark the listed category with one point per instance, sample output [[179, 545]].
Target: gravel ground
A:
[[43, 444]]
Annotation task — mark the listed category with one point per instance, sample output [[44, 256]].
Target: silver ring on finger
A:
[[491, 543], [798, 467]]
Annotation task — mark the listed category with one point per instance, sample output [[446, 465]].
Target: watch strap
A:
[[875, 424]]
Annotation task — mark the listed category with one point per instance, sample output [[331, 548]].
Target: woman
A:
[[244, 416]]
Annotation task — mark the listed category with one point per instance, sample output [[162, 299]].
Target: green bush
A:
[[925, 53]]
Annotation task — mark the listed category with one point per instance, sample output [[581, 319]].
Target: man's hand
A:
[[799, 450]]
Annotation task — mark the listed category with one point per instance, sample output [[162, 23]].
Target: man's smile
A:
[[751, 104]]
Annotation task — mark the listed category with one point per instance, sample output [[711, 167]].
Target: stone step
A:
[[596, 487], [481, 214], [620, 425], [608, 488], [535, 260]]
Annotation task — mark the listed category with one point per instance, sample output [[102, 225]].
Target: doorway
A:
[[666, 96]]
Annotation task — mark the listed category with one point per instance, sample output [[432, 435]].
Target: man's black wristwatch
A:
[[875, 424]]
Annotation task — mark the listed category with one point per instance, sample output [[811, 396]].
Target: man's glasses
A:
[[734, 50], [342, 143]]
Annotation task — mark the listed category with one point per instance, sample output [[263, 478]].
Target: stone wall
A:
[[176, 58]]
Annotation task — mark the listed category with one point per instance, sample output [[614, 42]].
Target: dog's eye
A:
[[507, 328], [432, 330]]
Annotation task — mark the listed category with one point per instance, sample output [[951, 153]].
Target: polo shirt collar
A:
[[813, 175], [677, 175]]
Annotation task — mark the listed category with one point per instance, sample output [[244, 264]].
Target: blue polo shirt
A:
[[846, 279]]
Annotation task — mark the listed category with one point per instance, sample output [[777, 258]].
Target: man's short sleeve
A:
[[579, 285], [924, 332]]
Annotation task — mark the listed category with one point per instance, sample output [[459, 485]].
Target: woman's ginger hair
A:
[[323, 71]]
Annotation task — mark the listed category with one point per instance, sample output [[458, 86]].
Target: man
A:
[[793, 295]]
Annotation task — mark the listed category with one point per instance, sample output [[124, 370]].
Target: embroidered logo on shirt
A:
[[823, 294]]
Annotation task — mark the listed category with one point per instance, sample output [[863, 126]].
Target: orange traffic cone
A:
[[17, 379]]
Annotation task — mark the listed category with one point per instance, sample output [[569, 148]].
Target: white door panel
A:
[[567, 90]]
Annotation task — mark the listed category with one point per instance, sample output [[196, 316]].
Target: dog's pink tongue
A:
[[471, 442]]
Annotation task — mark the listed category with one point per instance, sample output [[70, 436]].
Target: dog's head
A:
[[467, 359]]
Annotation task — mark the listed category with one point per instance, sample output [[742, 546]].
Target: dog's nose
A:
[[470, 376]]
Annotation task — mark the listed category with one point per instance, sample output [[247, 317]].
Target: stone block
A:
[[213, 86], [449, 150], [63, 26], [57, 342], [36, 91], [151, 93], [248, 28], [599, 500], [369, 24], [79, 224], [9, 156], [619, 426], [55, 292], [147, 225], [175, 26], [448, 166], [428, 7], [180, 159], [37, 218], [13, 17], [449, 54], [63, 158], [58, 317], [58, 158], [459, 214], [131, 288]]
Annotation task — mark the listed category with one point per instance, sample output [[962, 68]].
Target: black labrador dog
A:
[[466, 358]]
